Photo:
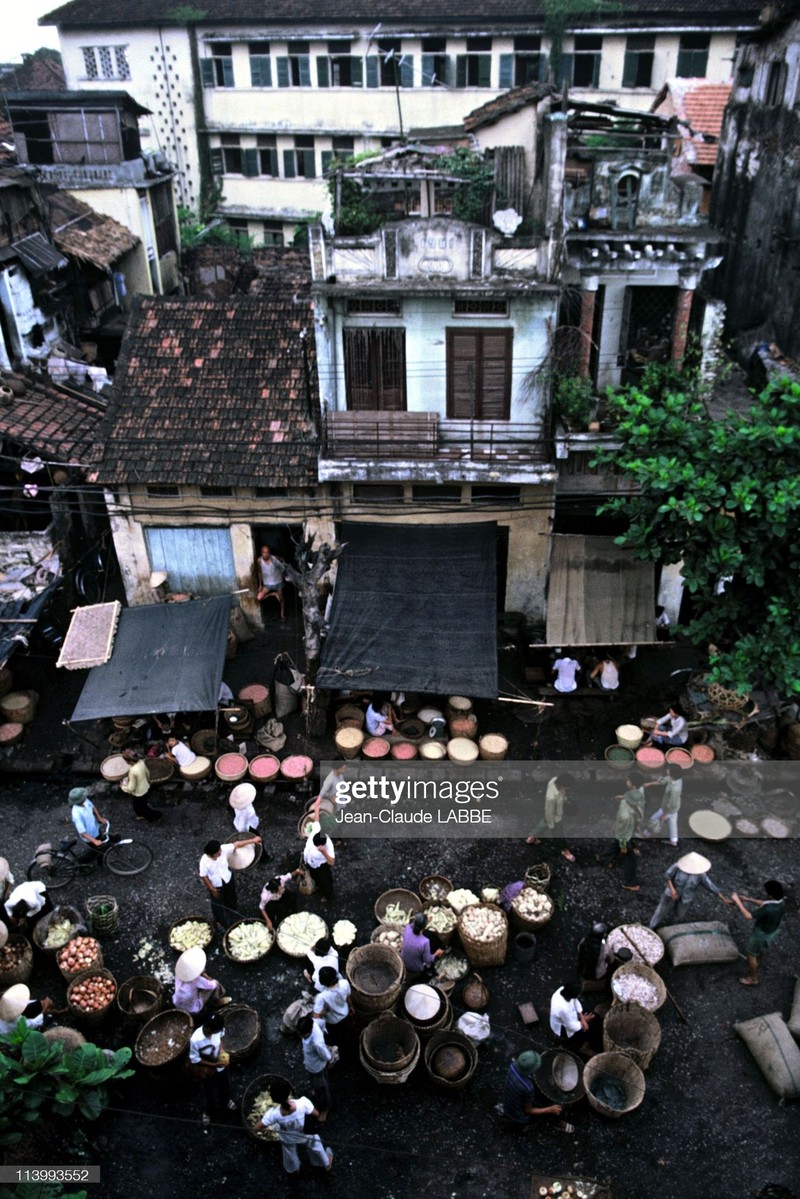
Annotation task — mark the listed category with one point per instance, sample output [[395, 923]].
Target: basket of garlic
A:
[[531, 909], [247, 941], [462, 898], [483, 929], [397, 906], [442, 920], [388, 934]]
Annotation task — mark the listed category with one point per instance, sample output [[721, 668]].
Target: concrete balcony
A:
[[388, 447], [73, 176]]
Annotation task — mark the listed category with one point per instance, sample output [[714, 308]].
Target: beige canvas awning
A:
[[598, 593], [90, 636]]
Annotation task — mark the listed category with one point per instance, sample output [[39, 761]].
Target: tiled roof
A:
[[60, 427], [86, 235], [38, 73], [215, 392], [465, 13], [511, 101], [700, 105]]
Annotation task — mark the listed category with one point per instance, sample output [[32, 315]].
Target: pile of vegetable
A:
[[395, 913], [452, 966], [58, 933], [92, 994], [483, 924], [490, 894], [12, 956], [79, 954], [393, 937], [261, 1105], [568, 1190], [190, 933], [299, 933], [532, 905], [441, 919], [632, 988], [462, 898], [435, 891], [344, 933], [248, 940], [645, 945]]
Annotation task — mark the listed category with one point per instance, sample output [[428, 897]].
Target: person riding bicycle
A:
[[91, 827]]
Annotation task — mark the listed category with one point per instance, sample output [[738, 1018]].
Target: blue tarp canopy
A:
[[167, 658]]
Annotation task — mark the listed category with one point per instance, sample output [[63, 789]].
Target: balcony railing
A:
[[423, 436], [115, 174]]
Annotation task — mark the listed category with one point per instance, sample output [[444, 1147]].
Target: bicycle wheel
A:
[[128, 857], [61, 870]]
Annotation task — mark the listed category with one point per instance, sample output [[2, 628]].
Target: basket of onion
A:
[[90, 995], [79, 954]]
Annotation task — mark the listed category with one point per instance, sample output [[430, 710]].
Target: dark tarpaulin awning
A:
[[167, 658], [598, 593], [415, 609], [18, 619]]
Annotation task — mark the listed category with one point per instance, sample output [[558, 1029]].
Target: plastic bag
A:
[[475, 1026]]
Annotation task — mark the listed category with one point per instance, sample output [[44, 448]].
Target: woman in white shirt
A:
[[380, 718], [567, 1018]]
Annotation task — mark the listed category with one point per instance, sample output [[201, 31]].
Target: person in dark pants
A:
[[319, 855], [217, 876], [522, 1103], [210, 1062], [316, 1059], [766, 924], [624, 827]]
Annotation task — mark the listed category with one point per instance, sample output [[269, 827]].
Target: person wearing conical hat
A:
[[245, 817], [194, 991], [16, 1002], [683, 878], [521, 1101]]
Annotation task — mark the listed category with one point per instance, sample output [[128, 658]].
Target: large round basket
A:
[[441, 913], [103, 913], [297, 767], [161, 770], [257, 956], [450, 1059], [649, 757], [412, 729], [139, 998], [524, 921], [615, 1067], [680, 757], [205, 742], [479, 952], [349, 741], [375, 748], [11, 733], [457, 705], [434, 888], [389, 1043], [703, 753], [94, 1016], [350, 712], [493, 747], [85, 947], [428, 715], [462, 751], [230, 768], [390, 935], [464, 726], [42, 928], [238, 721], [164, 1040], [619, 756], [629, 736], [560, 1076], [256, 697], [68, 1038], [16, 961], [390, 1076], [724, 699], [6, 680], [255, 1105], [197, 770], [632, 1030], [299, 933], [432, 751], [402, 901], [709, 825], [376, 974], [242, 1030], [538, 876], [645, 945], [114, 768], [650, 992], [205, 933], [404, 751], [19, 706], [264, 768]]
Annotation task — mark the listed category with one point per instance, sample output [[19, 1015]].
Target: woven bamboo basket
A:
[[441, 1020], [619, 757], [139, 998], [297, 767], [703, 753], [445, 937], [625, 1071], [114, 768], [18, 951], [242, 1030], [493, 747], [403, 751], [264, 1082], [103, 913], [444, 1040], [677, 756], [231, 767], [349, 741], [462, 750], [475, 993], [376, 974], [539, 876], [375, 939], [629, 736], [650, 976], [434, 888], [226, 948], [350, 712], [407, 900], [238, 720], [164, 1040], [11, 733], [19, 706], [649, 757], [208, 935], [389, 1077], [412, 729], [464, 726], [523, 923], [91, 1018], [428, 715], [724, 699], [41, 927], [560, 1076], [484, 953], [264, 768], [458, 705], [119, 738], [69, 1038], [388, 1036], [256, 697], [6, 680], [205, 742], [375, 748], [161, 770], [197, 770], [432, 751], [70, 974], [632, 1030]]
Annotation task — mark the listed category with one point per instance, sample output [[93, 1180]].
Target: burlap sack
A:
[[699, 943], [778, 1057], [794, 1018]]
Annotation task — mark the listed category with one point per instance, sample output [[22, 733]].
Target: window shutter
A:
[[308, 162], [288, 164], [407, 71], [207, 72], [326, 158], [304, 67], [323, 71], [461, 70], [496, 374], [215, 161], [227, 72], [373, 73], [357, 370], [283, 72], [564, 73], [260, 71], [357, 71], [427, 71], [250, 158], [462, 365], [506, 70], [596, 70], [484, 70], [629, 70]]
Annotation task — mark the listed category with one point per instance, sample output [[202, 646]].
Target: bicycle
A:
[[57, 867]]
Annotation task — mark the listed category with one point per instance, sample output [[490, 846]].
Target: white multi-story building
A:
[[260, 100]]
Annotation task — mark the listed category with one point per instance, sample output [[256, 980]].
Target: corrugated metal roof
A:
[[39, 255]]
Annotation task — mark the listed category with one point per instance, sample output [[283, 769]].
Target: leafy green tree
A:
[[40, 1078], [723, 499]]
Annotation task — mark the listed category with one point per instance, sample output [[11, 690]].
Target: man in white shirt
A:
[[565, 669], [333, 1005], [208, 1057], [270, 575], [319, 855], [567, 1018], [316, 1058], [27, 903], [288, 1118], [217, 876]]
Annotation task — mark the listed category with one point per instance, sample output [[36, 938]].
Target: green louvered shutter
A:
[[283, 72], [207, 72], [506, 70], [323, 71]]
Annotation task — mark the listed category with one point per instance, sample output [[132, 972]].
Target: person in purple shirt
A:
[[416, 952]]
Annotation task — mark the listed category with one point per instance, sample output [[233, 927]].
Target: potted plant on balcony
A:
[[574, 401]]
